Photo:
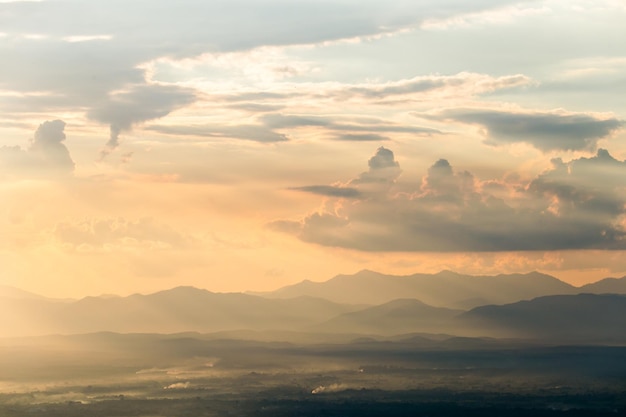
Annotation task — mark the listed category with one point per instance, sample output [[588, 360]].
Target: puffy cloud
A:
[[45, 156], [383, 170], [580, 204], [547, 131]]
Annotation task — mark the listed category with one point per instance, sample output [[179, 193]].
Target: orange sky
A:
[[251, 155]]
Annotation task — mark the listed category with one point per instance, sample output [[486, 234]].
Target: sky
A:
[[247, 145]]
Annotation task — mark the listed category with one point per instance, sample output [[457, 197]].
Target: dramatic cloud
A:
[[545, 131], [575, 205], [46, 155], [139, 104]]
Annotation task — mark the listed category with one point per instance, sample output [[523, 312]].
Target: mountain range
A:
[[444, 289], [533, 306]]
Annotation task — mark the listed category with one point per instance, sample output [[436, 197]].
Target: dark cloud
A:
[[579, 204], [330, 191], [545, 131], [45, 156], [139, 104]]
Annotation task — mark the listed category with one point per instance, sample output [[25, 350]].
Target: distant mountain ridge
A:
[[581, 318], [605, 286], [177, 310], [532, 305], [444, 289]]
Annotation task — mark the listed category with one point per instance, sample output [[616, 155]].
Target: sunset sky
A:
[[250, 144]]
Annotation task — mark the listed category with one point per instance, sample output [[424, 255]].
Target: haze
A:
[[269, 207], [249, 145]]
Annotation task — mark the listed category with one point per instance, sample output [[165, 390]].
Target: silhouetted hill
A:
[[176, 310], [444, 289], [394, 317], [606, 286], [582, 318]]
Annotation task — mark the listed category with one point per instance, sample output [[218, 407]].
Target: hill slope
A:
[[582, 318], [606, 286], [395, 317]]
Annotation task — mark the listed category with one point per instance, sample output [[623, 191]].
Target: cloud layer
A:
[[574, 205]]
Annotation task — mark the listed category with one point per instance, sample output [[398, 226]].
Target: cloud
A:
[[138, 104], [46, 155], [546, 131], [256, 133], [222, 24], [270, 128], [464, 83], [341, 124], [329, 190], [364, 137], [579, 204], [79, 59], [383, 170]]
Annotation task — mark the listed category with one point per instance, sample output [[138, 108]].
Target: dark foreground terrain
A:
[[147, 375]]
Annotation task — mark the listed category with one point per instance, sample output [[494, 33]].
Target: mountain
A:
[[581, 318], [177, 310], [606, 286], [444, 289], [395, 317], [12, 292]]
